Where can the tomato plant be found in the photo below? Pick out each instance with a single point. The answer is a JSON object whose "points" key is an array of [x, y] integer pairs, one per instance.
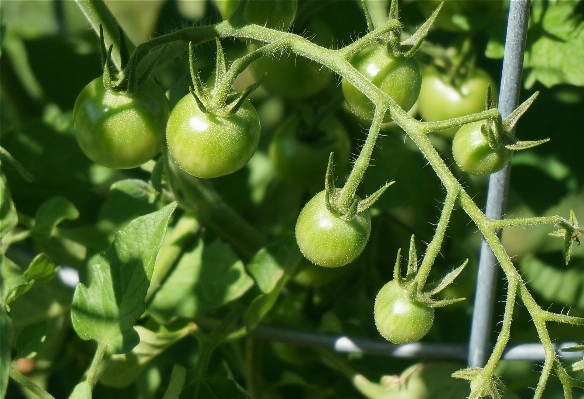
{"points": [[328, 240], [118, 130], [399, 319], [442, 99], [473, 153], [296, 77], [300, 156], [276, 14], [398, 77], [207, 145]]}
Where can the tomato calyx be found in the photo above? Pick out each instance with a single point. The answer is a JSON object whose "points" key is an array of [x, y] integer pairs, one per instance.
{"points": [[413, 282], [221, 100], [125, 79], [347, 208]]}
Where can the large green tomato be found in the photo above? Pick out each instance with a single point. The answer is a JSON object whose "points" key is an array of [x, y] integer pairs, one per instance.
{"points": [[440, 99], [292, 76], [302, 159], [276, 14], [474, 155], [207, 145], [327, 240], [117, 130], [398, 77], [399, 319]]}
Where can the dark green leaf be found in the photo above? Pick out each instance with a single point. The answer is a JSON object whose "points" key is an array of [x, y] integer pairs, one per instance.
{"points": [[8, 216], [220, 387], [30, 340], [136, 188], [123, 369], [107, 309], [204, 279], [555, 53], [50, 214], [41, 269], [272, 267], [5, 332]]}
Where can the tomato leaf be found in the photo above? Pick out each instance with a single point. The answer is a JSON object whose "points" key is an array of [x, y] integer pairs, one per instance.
{"points": [[107, 309], [219, 386], [123, 369], [136, 188], [204, 279], [41, 269], [50, 214], [554, 56], [8, 216], [5, 332], [30, 339], [271, 268]]}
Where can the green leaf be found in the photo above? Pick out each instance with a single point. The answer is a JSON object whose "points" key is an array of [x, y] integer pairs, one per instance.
{"points": [[107, 309], [136, 188], [271, 267], [8, 216], [123, 369], [556, 49], [50, 214], [204, 279], [177, 382], [41, 269], [546, 275], [30, 339], [5, 332]]}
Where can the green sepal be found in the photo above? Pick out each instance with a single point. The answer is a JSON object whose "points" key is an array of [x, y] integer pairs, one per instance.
{"points": [[235, 106], [569, 236], [510, 121], [523, 145], [448, 279], [108, 73], [198, 88], [369, 201], [370, 26], [329, 185], [124, 52], [412, 258], [415, 41], [397, 269], [221, 68], [198, 101]]}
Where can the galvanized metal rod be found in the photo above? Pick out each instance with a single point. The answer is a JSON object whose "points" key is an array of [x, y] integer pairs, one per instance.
{"points": [[479, 346]]}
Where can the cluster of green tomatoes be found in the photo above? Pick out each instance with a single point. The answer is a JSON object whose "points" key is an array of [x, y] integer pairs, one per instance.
{"points": [[120, 130]]}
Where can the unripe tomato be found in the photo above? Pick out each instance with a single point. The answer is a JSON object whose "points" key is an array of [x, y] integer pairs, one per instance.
{"points": [[302, 159], [474, 155], [276, 14], [327, 240], [118, 130], [398, 77], [207, 145], [399, 319], [440, 99]]}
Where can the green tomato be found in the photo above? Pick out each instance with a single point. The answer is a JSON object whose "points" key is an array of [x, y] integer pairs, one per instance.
{"points": [[208, 145], [327, 240], [399, 319], [117, 130], [474, 155], [398, 77], [292, 76], [460, 15], [275, 14], [440, 99], [301, 159]]}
